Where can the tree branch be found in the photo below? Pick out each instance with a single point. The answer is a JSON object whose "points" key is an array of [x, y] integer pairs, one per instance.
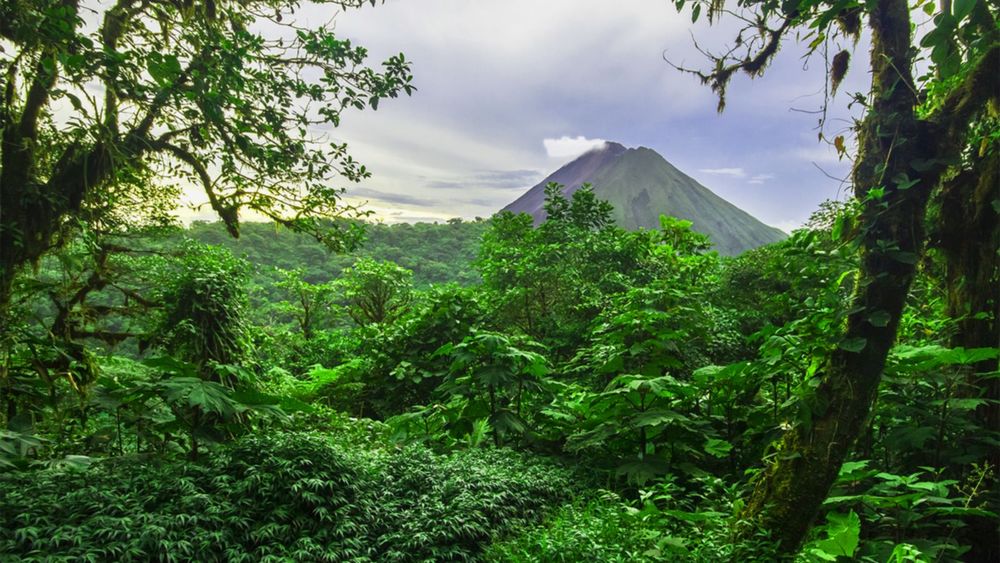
{"points": [[19, 141], [981, 85], [38, 94], [114, 24], [754, 66], [228, 213]]}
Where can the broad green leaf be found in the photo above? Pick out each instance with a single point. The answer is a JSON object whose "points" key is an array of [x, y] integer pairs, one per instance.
{"points": [[853, 344], [962, 8], [879, 319], [718, 448], [842, 534]]}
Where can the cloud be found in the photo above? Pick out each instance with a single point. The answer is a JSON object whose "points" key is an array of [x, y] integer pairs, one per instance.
{"points": [[565, 146], [491, 83], [731, 172], [402, 199], [490, 179], [760, 178], [508, 178]]}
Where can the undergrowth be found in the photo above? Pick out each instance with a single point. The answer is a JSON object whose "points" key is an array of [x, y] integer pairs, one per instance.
{"points": [[296, 496]]}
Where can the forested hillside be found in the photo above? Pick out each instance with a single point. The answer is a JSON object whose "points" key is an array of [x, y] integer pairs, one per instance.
{"points": [[318, 388], [435, 253]]}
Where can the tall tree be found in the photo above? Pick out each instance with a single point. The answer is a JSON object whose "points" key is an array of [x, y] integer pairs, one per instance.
{"points": [[309, 300], [911, 136], [224, 94], [376, 291]]}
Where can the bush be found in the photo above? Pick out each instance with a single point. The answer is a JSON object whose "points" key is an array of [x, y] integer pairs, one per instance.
{"points": [[597, 530], [286, 496]]}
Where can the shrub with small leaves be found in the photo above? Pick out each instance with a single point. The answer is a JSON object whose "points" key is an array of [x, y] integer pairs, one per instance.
{"points": [[286, 496]]}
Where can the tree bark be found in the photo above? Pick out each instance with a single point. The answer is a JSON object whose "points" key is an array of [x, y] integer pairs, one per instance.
{"points": [[894, 146], [970, 238]]}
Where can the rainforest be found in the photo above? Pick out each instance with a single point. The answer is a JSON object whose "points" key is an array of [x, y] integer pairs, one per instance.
{"points": [[299, 379]]}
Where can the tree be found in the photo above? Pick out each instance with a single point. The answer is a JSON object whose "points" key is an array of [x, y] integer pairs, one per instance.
{"points": [[494, 372], [912, 135], [204, 303], [309, 300], [551, 281], [968, 211], [98, 97], [376, 291]]}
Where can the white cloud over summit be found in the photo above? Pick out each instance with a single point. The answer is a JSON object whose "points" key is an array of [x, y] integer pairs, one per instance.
{"points": [[566, 146]]}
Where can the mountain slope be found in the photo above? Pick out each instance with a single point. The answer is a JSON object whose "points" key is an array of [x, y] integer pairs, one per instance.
{"points": [[642, 185]]}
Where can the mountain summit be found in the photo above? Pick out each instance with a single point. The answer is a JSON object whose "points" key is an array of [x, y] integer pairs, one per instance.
{"points": [[642, 185]]}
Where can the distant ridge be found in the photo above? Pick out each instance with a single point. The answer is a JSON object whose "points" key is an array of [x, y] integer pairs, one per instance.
{"points": [[642, 185]]}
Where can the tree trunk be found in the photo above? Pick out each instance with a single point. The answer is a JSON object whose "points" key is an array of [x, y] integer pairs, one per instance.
{"points": [[969, 237], [893, 147], [32, 212]]}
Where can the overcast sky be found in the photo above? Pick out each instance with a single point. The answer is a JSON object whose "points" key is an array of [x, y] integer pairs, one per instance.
{"points": [[510, 90]]}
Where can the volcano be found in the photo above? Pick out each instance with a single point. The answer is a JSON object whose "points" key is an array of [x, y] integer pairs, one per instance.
{"points": [[642, 185]]}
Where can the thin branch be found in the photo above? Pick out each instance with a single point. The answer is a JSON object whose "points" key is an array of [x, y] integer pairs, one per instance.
{"points": [[114, 24], [752, 64], [226, 212]]}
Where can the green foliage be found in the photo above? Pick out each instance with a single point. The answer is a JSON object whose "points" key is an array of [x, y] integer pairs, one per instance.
{"points": [[489, 382], [15, 447], [376, 292], [842, 532], [402, 367], [284, 496], [594, 530], [662, 371], [226, 107], [204, 300], [923, 507], [435, 253], [309, 304], [666, 522], [179, 399], [550, 282], [639, 422]]}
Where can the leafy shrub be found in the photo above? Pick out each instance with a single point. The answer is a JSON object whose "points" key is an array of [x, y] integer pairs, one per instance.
{"points": [[285, 496], [922, 508], [666, 523], [595, 530], [204, 307], [449, 508]]}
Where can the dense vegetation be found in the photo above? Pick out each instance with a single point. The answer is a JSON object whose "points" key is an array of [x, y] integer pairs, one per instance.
{"points": [[436, 254], [280, 496], [662, 371], [484, 390]]}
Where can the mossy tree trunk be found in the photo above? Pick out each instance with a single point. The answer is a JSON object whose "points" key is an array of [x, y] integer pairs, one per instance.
{"points": [[970, 238], [895, 147]]}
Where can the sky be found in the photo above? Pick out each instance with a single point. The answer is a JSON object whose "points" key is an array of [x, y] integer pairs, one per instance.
{"points": [[508, 91]]}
